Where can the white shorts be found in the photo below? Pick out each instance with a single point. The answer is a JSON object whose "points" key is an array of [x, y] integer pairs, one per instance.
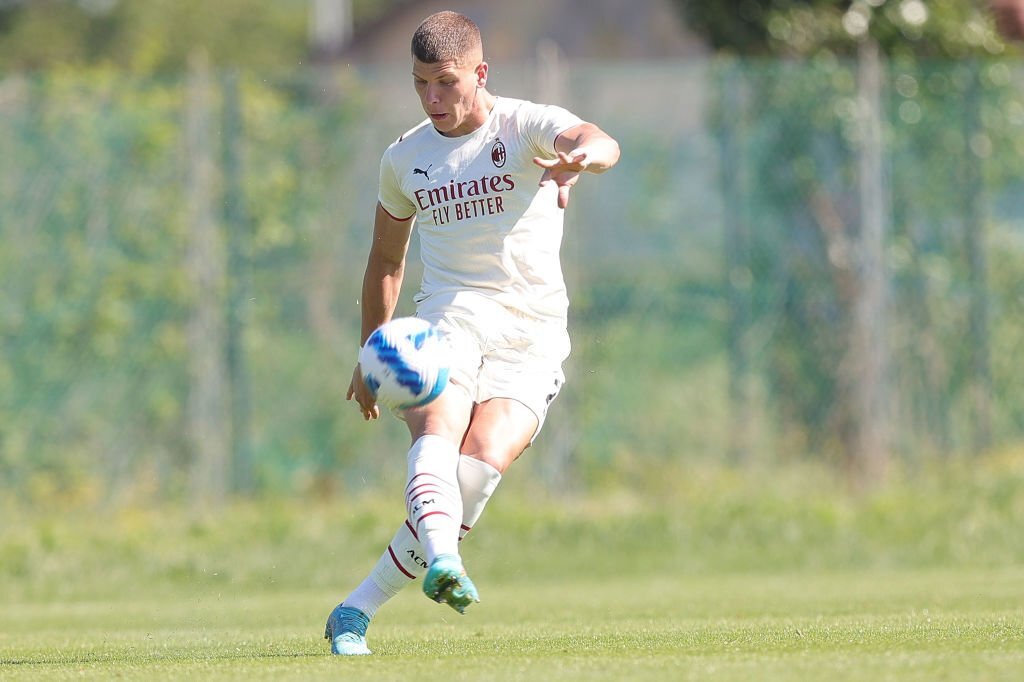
{"points": [[497, 352]]}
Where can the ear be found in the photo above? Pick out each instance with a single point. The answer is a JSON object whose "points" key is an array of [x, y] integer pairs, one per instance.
{"points": [[481, 75]]}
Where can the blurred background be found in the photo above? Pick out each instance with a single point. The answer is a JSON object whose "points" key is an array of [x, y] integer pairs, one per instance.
{"points": [[810, 255]]}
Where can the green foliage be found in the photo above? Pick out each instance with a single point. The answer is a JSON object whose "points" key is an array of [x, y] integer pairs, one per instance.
{"points": [[147, 36], [803, 207], [909, 28], [683, 519], [96, 299], [156, 35], [84, 165], [943, 124]]}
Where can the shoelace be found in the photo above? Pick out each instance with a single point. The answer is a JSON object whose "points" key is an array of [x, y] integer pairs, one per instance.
{"points": [[353, 620]]}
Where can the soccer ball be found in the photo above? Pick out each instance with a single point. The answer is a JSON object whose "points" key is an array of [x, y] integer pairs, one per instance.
{"points": [[404, 363]]}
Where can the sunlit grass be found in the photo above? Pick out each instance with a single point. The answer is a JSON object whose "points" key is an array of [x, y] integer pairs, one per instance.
{"points": [[917, 625], [720, 575]]}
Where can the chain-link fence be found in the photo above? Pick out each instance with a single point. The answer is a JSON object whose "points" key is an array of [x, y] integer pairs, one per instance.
{"points": [[792, 260]]}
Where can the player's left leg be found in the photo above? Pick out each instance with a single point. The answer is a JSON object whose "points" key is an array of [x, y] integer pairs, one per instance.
{"points": [[346, 630]]}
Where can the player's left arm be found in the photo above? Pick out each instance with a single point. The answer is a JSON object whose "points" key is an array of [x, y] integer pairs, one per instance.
{"points": [[594, 149], [582, 148]]}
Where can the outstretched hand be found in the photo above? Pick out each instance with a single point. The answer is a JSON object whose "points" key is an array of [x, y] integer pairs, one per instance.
{"points": [[367, 402], [564, 171]]}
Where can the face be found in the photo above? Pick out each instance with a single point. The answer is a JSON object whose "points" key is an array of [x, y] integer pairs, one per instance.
{"points": [[452, 94]]}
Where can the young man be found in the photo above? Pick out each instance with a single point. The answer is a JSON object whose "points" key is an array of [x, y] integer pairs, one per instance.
{"points": [[485, 179]]}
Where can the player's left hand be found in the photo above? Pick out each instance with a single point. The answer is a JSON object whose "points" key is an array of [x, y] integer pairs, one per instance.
{"points": [[564, 171]]}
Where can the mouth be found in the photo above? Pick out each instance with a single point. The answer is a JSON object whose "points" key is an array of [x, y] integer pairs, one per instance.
{"points": [[438, 117]]}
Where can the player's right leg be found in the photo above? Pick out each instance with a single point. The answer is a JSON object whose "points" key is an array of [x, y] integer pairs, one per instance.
{"points": [[434, 507], [446, 582]]}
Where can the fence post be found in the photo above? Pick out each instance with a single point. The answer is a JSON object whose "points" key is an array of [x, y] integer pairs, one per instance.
{"points": [[205, 268], [868, 337], [561, 437], [980, 382], [239, 284], [736, 247]]}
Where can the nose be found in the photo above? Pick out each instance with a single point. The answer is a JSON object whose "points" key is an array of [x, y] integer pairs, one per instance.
{"points": [[432, 94]]}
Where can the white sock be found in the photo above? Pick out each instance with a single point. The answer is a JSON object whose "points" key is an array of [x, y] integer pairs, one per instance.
{"points": [[432, 499], [400, 564], [477, 482], [404, 560]]}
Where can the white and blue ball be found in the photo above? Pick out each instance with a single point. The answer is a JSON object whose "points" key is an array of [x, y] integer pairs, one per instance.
{"points": [[404, 363]]}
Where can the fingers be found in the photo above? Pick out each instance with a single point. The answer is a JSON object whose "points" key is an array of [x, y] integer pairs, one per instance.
{"points": [[364, 398], [563, 182], [369, 409], [368, 404], [579, 159], [563, 170], [575, 162]]}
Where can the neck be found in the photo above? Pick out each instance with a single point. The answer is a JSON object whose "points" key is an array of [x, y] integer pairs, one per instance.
{"points": [[483, 104], [480, 109]]}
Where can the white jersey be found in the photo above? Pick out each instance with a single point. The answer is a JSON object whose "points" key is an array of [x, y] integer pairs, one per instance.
{"points": [[485, 225]]}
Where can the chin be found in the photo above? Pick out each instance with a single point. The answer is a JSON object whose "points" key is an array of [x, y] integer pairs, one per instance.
{"points": [[445, 127]]}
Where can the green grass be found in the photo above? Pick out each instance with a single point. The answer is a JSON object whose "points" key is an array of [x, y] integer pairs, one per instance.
{"points": [[719, 576], [907, 625]]}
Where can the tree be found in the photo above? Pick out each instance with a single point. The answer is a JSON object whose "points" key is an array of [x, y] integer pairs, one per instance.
{"points": [[158, 35], [806, 28], [826, 175]]}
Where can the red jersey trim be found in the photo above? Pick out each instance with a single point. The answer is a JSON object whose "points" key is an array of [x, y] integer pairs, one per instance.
{"points": [[401, 220]]}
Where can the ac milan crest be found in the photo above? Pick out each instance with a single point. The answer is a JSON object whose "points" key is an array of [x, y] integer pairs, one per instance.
{"points": [[498, 154]]}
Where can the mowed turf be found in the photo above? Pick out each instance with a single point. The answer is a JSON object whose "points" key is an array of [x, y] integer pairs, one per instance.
{"points": [[722, 575], [867, 625]]}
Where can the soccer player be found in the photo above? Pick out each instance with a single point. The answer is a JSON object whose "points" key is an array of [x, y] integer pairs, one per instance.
{"points": [[485, 180]]}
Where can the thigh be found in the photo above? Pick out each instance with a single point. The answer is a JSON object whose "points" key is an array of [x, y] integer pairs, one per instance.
{"points": [[447, 416], [501, 428], [463, 335], [526, 373]]}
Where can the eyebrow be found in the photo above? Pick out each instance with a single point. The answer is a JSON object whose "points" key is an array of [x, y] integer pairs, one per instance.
{"points": [[440, 76]]}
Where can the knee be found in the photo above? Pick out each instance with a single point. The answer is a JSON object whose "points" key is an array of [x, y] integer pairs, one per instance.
{"points": [[499, 461], [499, 458]]}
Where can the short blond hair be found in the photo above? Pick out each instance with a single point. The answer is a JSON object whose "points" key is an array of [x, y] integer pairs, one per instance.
{"points": [[446, 36]]}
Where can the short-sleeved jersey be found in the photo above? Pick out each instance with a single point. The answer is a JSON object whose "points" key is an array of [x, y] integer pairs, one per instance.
{"points": [[485, 225]]}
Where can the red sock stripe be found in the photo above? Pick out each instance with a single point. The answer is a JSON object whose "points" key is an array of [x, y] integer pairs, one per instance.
{"points": [[430, 488], [425, 473], [399, 563], [466, 528], [412, 530], [420, 520], [409, 503]]}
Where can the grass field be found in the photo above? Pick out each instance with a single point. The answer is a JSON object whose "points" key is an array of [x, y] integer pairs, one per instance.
{"points": [[732, 579], [919, 625]]}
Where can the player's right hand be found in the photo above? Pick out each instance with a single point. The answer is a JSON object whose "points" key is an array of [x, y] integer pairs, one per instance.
{"points": [[364, 397]]}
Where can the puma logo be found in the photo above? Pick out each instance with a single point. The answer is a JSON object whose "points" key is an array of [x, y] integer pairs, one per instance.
{"points": [[423, 171]]}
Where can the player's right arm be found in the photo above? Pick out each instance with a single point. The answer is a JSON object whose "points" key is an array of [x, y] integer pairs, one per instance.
{"points": [[382, 285]]}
